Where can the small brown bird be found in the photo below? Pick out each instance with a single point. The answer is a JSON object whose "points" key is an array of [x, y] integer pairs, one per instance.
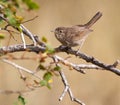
{"points": [[75, 35]]}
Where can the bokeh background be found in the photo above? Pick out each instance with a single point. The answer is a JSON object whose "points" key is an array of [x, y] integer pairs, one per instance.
{"points": [[95, 87]]}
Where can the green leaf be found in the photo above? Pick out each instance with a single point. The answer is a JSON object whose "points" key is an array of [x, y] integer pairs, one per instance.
{"points": [[2, 36], [41, 67], [46, 80], [31, 5], [50, 50], [44, 39], [11, 18], [4, 0], [57, 68], [47, 76], [21, 101], [1, 21], [43, 83], [48, 86]]}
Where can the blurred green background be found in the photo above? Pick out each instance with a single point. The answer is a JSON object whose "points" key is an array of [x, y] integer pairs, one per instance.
{"points": [[95, 87]]}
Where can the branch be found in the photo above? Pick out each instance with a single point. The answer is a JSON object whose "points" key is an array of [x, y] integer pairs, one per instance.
{"points": [[67, 87], [78, 67], [27, 32], [21, 68], [20, 47], [23, 38], [37, 49], [87, 58]]}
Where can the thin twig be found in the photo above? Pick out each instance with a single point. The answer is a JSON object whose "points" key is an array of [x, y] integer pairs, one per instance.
{"points": [[77, 67], [69, 64], [23, 38], [29, 20], [67, 87], [15, 92], [29, 33], [21, 68], [22, 75]]}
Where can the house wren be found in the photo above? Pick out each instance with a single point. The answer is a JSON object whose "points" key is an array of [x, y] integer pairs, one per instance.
{"points": [[75, 35]]}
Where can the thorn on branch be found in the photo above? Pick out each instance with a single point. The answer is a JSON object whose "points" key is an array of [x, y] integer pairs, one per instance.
{"points": [[115, 64]]}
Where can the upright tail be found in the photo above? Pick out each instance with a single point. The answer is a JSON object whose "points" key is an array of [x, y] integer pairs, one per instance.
{"points": [[94, 19]]}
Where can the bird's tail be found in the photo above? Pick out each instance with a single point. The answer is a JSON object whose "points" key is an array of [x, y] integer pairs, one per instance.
{"points": [[94, 19]]}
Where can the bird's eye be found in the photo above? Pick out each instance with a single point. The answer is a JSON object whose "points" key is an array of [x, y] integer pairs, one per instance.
{"points": [[60, 31]]}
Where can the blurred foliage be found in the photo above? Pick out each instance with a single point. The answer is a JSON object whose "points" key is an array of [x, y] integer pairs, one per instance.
{"points": [[41, 67], [57, 68], [31, 4], [44, 39], [47, 79], [20, 101], [2, 36], [49, 49], [10, 8]]}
